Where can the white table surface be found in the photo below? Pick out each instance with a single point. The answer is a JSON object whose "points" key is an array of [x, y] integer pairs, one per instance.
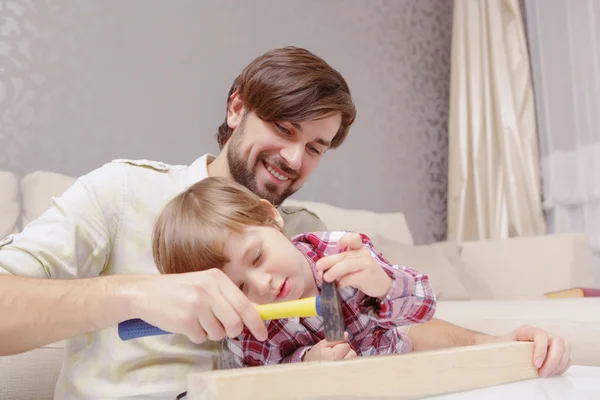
{"points": [[578, 383]]}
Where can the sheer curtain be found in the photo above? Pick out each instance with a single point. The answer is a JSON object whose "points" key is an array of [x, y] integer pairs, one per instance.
{"points": [[494, 188], [564, 38]]}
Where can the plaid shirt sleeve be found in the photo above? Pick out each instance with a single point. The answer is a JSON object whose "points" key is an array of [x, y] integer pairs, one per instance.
{"points": [[287, 342], [410, 300]]}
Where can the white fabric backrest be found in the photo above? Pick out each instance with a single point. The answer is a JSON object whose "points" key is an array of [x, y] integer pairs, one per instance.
{"points": [[38, 189], [392, 226], [9, 204]]}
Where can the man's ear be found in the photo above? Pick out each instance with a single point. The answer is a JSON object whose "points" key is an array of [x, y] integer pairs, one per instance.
{"points": [[235, 110], [274, 213]]}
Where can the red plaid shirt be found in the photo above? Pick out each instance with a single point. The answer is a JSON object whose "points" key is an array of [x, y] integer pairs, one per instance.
{"points": [[372, 326]]}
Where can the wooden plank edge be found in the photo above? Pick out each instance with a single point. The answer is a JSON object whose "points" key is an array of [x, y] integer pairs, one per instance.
{"points": [[398, 376]]}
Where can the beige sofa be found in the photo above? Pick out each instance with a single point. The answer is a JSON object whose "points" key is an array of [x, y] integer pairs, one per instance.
{"points": [[490, 286]]}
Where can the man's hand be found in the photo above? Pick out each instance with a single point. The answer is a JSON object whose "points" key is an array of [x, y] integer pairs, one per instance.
{"points": [[201, 305], [325, 351], [551, 354], [355, 267]]}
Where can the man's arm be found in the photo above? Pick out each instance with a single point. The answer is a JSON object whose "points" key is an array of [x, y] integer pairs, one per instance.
{"points": [[438, 334], [551, 354], [43, 298], [36, 312], [50, 287]]}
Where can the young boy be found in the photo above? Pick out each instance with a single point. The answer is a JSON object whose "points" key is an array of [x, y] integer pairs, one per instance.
{"points": [[218, 223]]}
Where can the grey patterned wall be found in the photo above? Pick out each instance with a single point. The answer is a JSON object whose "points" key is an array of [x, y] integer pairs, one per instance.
{"points": [[83, 82]]}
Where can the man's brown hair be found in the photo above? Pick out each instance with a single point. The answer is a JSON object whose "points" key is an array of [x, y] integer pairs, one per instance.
{"points": [[191, 230], [292, 84]]}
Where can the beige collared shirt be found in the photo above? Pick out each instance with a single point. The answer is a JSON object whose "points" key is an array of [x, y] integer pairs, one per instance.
{"points": [[102, 225]]}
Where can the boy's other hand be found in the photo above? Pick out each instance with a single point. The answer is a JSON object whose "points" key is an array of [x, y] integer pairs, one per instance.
{"points": [[326, 351], [201, 305], [355, 267]]}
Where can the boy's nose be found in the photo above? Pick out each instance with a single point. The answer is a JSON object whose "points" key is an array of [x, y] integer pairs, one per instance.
{"points": [[292, 154], [262, 284]]}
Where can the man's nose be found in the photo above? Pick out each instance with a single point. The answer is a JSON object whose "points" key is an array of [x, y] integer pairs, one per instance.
{"points": [[292, 154]]}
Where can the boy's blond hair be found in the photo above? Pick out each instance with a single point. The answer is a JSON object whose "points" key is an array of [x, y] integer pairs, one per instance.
{"points": [[191, 230]]}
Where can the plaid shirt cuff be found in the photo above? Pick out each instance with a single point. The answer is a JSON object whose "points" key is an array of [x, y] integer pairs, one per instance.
{"points": [[375, 308], [296, 356]]}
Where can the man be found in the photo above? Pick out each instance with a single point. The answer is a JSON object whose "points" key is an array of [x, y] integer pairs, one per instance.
{"points": [[284, 111]]}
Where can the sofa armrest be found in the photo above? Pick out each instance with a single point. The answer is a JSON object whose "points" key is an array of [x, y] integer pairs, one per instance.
{"points": [[526, 267]]}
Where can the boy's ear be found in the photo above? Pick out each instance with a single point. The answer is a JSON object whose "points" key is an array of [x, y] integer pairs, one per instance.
{"points": [[274, 213]]}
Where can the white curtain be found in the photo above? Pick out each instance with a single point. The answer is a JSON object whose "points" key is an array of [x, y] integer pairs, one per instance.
{"points": [[494, 188], [564, 37]]}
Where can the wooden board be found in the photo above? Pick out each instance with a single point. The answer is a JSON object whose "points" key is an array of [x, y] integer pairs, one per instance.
{"points": [[398, 376]]}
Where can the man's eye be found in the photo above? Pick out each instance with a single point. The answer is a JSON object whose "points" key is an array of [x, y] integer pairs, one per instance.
{"points": [[282, 129], [242, 286], [313, 150]]}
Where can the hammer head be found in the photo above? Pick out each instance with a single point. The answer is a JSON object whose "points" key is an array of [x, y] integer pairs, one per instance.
{"points": [[331, 310]]}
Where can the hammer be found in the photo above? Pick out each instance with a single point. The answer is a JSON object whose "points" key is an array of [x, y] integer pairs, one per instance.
{"points": [[327, 305]]}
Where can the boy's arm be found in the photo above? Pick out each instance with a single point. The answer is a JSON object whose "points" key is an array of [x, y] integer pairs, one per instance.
{"points": [[411, 299], [296, 356], [382, 340], [285, 344], [249, 352]]}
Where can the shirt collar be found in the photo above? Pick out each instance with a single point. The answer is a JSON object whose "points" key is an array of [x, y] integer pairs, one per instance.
{"points": [[198, 170]]}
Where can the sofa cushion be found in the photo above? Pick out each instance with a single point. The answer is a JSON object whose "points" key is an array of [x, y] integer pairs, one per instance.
{"points": [[528, 267], [38, 189], [9, 204], [468, 274], [429, 260], [32, 374], [391, 226]]}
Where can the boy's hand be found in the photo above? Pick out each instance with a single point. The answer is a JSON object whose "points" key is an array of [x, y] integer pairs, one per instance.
{"points": [[325, 351], [355, 267]]}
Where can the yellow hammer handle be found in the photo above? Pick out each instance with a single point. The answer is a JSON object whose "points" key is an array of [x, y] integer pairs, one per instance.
{"points": [[306, 307]]}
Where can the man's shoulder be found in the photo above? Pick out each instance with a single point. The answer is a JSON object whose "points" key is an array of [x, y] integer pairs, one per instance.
{"points": [[285, 209], [297, 220], [144, 164], [146, 181], [119, 172]]}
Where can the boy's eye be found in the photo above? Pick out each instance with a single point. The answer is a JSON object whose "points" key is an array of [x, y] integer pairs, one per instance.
{"points": [[257, 257]]}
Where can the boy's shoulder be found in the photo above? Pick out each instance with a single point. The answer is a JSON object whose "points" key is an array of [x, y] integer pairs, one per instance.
{"points": [[322, 243]]}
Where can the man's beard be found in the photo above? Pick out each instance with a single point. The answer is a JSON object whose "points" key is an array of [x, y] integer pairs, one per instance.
{"points": [[245, 175]]}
